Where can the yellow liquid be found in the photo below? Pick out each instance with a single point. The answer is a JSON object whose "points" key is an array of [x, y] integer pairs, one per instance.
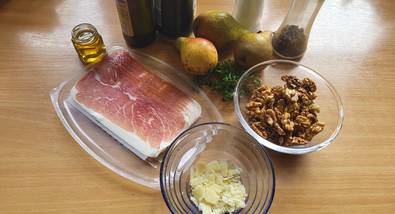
{"points": [[89, 46]]}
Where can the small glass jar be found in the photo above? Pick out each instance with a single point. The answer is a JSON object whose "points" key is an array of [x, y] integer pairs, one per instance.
{"points": [[291, 38], [88, 43]]}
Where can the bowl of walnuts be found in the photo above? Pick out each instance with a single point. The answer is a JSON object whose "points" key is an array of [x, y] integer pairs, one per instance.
{"points": [[288, 107]]}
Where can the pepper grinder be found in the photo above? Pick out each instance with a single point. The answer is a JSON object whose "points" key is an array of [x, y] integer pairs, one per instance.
{"points": [[291, 38]]}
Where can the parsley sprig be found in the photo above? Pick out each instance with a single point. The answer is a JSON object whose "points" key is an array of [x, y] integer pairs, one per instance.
{"points": [[222, 79]]}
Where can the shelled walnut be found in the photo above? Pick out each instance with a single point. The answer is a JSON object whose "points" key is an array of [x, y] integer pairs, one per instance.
{"points": [[286, 115]]}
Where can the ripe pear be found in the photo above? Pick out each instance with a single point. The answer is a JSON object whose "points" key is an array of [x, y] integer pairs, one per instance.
{"points": [[253, 48], [198, 55], [219, 27]]}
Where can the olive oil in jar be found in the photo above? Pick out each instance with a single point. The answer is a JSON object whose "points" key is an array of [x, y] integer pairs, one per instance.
{"points": [[88, 43]]}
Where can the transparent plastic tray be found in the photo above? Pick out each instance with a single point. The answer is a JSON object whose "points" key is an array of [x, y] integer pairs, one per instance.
{"points": [[105, 149]]}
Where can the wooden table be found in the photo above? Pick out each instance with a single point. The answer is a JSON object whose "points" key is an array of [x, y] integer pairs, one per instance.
{"points": [[42, 169]]}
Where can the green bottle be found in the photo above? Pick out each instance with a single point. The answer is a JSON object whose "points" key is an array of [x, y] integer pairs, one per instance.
{"points": [[136, 17], [174, 17]]}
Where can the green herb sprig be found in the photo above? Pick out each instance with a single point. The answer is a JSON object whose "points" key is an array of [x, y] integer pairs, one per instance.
{"points": [[222, 79]]}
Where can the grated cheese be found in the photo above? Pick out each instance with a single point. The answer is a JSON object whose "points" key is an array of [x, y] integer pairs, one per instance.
{"points": [[217, 188]]}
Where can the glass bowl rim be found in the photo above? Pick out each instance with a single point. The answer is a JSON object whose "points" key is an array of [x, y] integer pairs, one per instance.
{"points": [[269, 162], [273, 146]]}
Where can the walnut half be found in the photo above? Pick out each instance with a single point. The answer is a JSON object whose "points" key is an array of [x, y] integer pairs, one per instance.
{"points": [[286, 115]]}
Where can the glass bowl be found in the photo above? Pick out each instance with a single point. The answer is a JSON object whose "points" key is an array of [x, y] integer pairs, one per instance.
{"points": [[269, 73], [217, 141]]}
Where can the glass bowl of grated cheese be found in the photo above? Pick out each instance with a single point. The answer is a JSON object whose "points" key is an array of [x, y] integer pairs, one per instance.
{"points": [[217, 168]]}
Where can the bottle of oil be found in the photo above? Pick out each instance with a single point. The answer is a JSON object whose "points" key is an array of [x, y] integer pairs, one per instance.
{"points": [[88, 43], [174, 17], [136, 17]]}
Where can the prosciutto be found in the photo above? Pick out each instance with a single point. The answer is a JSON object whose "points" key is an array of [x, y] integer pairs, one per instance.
{"points": [[134, 105]]}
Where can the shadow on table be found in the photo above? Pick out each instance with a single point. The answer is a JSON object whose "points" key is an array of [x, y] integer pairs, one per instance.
{"points": [[3, 3], [290, 163]]}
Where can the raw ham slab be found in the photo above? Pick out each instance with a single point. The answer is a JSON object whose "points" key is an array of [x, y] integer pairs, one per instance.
{"points": [[133, 104]]}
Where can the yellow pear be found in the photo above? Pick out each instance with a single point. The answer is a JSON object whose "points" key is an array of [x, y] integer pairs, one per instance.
{"points": [[198, 55]]}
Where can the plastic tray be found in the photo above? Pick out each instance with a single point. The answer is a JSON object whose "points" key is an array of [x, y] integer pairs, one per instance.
{"points": [[105, 149]]}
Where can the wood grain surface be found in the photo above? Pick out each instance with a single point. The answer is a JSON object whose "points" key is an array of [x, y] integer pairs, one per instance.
{"points": [[42, 169]]}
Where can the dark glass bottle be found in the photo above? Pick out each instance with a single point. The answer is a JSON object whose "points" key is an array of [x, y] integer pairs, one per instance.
{"points": [[136, 17], [174, 17]]}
